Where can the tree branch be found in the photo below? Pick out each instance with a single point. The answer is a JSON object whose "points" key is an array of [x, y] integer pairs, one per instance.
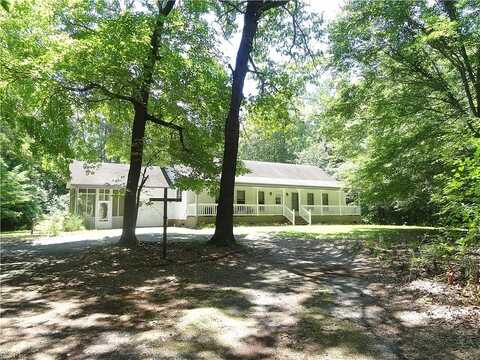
{"points": [[233, 5], [267, 5], [298, 28], [169, 125], [101, 88]]}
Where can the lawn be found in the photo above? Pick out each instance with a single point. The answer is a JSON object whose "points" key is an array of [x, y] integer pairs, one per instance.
{"points": [[314, 292]]}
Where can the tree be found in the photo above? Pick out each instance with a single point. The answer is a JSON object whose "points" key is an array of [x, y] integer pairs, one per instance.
{"points": [[112, 61], [20, 200], [139, 99], [253, 12], [430, 48], [405, 102]]}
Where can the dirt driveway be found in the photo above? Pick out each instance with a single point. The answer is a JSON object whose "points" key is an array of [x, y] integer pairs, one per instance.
{"points": [[273, 297]]}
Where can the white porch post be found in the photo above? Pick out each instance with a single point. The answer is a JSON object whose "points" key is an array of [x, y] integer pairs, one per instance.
{"points": [[75, 190], [97, 207], [340, 201], [299, 199], [257, 200], [321, 202], [283, 197], [196, 204]]}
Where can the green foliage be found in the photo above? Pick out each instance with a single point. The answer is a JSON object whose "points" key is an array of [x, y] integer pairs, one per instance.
{"points": [[283, 128], [55, 222], [32, 109], [72, 222], [403, 108], [5, 4], [459, 198], [51, 50], [51, 225], [273, 130], [433, 256], [284, 59], [110, 45], [20, 199]]}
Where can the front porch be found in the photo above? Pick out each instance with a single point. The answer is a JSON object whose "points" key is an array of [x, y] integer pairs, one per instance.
{"points": [[293, 204]]}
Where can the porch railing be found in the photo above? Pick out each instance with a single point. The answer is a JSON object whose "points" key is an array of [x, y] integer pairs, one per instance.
{"points": [[270, 209], [333, 210], [289, 214], [305, 214], [306, 211], [238, 209]]}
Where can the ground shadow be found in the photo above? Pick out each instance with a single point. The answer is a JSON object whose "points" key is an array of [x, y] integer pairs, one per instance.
{"points": [[278, 296]]}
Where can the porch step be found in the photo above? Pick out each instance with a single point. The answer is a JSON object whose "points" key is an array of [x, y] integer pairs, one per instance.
{"points": [[300, 221]]}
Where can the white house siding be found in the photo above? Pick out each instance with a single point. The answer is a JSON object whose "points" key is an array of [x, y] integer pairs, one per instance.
{"points": [[335, 196], [149, 213]]}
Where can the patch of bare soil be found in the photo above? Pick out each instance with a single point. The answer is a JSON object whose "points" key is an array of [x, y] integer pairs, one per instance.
{"points": [[271, 298]]}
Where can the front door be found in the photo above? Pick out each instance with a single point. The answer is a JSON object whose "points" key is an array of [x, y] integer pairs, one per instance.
{"points": [[104, 215], [294, 201]]}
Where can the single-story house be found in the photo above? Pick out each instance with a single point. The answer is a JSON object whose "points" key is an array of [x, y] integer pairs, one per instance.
{"points": [[267, 193]]}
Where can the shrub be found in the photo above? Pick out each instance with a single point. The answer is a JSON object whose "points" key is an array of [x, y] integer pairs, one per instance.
{"points": [[53, 224], [20, 199], [72, 222], [433, 257]]}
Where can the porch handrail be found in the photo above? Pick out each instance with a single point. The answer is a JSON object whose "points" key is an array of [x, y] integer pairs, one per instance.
{"points": [[305, 211], [305, 214], [289, 214], [269, 209], [210, 209], [334, 209]]}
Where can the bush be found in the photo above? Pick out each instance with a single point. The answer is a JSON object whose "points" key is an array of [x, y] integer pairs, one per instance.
{"points": [[72, 222], [55, 223], [51, 224], [433, 257], [20, 199]]}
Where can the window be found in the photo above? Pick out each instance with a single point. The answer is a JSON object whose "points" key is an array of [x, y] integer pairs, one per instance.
{"points": [[118, 201], [261, 198], [240, 197], [103, 194], [278, 199], [324, 199], [86, 202], [310, 199], [103, 211]]}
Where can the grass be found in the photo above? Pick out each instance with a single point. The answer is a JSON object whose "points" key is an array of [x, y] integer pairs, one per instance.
{"points": [[15, 234], [18, 236]]}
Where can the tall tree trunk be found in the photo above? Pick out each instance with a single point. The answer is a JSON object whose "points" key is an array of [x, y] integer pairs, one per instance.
{"points": [[130, 212], [128, 237], [224, 221]]}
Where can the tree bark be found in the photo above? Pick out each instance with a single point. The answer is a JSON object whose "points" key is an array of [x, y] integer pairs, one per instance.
{"points": [[141, 116], [128, 237], [223, 235]]}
